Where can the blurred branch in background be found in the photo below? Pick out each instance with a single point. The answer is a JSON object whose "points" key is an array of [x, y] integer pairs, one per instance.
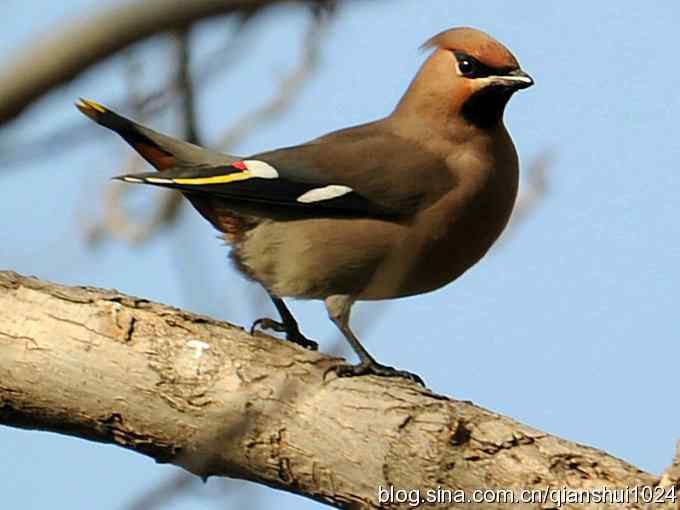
{"points": [[146, 105], [163, 492], [531, 194], [289, 86], [230, 492], [535, 187], [115, 220], [185, 86], [206, 69], [59, 58]]}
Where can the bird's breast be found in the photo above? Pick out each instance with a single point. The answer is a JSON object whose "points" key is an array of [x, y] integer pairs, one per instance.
{"points": [[453, 234]]}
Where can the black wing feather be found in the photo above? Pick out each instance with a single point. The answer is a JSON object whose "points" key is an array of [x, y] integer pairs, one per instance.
{"points": [[279, 192]]}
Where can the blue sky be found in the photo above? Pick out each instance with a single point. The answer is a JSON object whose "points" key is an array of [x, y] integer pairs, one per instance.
{"points": [[570, 326]]}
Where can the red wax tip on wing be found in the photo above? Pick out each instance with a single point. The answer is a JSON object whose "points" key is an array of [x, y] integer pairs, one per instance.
{"points": [[240, 165]]}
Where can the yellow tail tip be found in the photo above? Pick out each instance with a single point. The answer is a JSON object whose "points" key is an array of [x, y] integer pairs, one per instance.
{"points": [[90, 108]]}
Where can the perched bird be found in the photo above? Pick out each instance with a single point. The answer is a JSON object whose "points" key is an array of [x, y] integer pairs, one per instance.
{"points": [[395, 207]]}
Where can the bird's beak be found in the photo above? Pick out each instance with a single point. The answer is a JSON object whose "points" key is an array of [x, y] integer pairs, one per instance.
{"points": [[516, 79]]}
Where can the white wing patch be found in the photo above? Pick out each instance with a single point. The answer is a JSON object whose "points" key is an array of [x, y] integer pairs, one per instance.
{"points": [[261, 169], [325, 193]]}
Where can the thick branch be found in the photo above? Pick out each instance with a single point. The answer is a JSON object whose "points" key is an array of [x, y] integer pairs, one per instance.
{"points": [[59, 58], [205, 395]]}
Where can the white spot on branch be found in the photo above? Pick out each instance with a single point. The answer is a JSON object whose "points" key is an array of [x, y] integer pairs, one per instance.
{"points": [[199, 346]]}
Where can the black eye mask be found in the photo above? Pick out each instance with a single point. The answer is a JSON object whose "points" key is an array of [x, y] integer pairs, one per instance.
{"points": [[470, 67]]}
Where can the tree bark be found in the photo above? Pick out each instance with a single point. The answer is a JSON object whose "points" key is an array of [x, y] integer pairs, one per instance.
{"points": [[205, 395]]}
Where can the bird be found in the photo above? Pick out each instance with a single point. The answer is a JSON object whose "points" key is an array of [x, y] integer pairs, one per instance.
{"points": [[395, 207]]}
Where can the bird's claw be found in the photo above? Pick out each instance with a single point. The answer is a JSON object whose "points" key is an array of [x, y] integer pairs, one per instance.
{"points": [[292, 336], [346, 370], [267, 324], [300, 339]]}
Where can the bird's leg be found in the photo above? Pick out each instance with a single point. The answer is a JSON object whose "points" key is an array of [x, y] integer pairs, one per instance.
{"points": [[338, 308], [288, 325], [291, 326]]}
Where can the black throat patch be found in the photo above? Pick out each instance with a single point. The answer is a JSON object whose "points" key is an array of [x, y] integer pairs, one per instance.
{"points": [[485, 108]]}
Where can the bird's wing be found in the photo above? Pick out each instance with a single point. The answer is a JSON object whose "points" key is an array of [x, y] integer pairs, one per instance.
{"points": [[348, 174], [260, 185]]}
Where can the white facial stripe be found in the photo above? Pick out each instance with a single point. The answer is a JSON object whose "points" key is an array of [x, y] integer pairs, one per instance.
{"points": [[325, 193], [261, 169]]}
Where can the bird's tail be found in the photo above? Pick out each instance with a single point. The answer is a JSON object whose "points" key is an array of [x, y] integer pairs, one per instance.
{"points": [[162, 151]]}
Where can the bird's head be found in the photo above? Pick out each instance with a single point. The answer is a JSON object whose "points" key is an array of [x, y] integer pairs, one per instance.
{"points": [[469, 74]]}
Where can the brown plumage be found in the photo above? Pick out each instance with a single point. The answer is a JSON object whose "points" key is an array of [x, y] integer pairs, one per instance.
{"points": [[476, 44], [392, 208]]}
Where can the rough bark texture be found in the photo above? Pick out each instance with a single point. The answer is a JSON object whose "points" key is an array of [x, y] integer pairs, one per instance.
{"points": [[207, 396]]}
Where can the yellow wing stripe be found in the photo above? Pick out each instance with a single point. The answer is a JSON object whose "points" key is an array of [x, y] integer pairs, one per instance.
{"points": [[89, 104], [218, 179]]}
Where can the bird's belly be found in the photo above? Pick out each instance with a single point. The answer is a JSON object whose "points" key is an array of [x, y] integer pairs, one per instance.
{"points": [[317, 258]]}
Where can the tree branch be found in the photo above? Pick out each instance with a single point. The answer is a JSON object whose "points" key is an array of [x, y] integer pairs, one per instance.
{"points": [[59, 58], [204, 395]]}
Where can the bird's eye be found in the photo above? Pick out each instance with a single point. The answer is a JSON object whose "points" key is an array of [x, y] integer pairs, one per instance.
{"points": [[466, 66]]}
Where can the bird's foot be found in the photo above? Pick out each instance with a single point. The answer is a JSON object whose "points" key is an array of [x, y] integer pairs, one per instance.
{"points": [[298, 338], [268, 325], [374, 368], [291, 335]]}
